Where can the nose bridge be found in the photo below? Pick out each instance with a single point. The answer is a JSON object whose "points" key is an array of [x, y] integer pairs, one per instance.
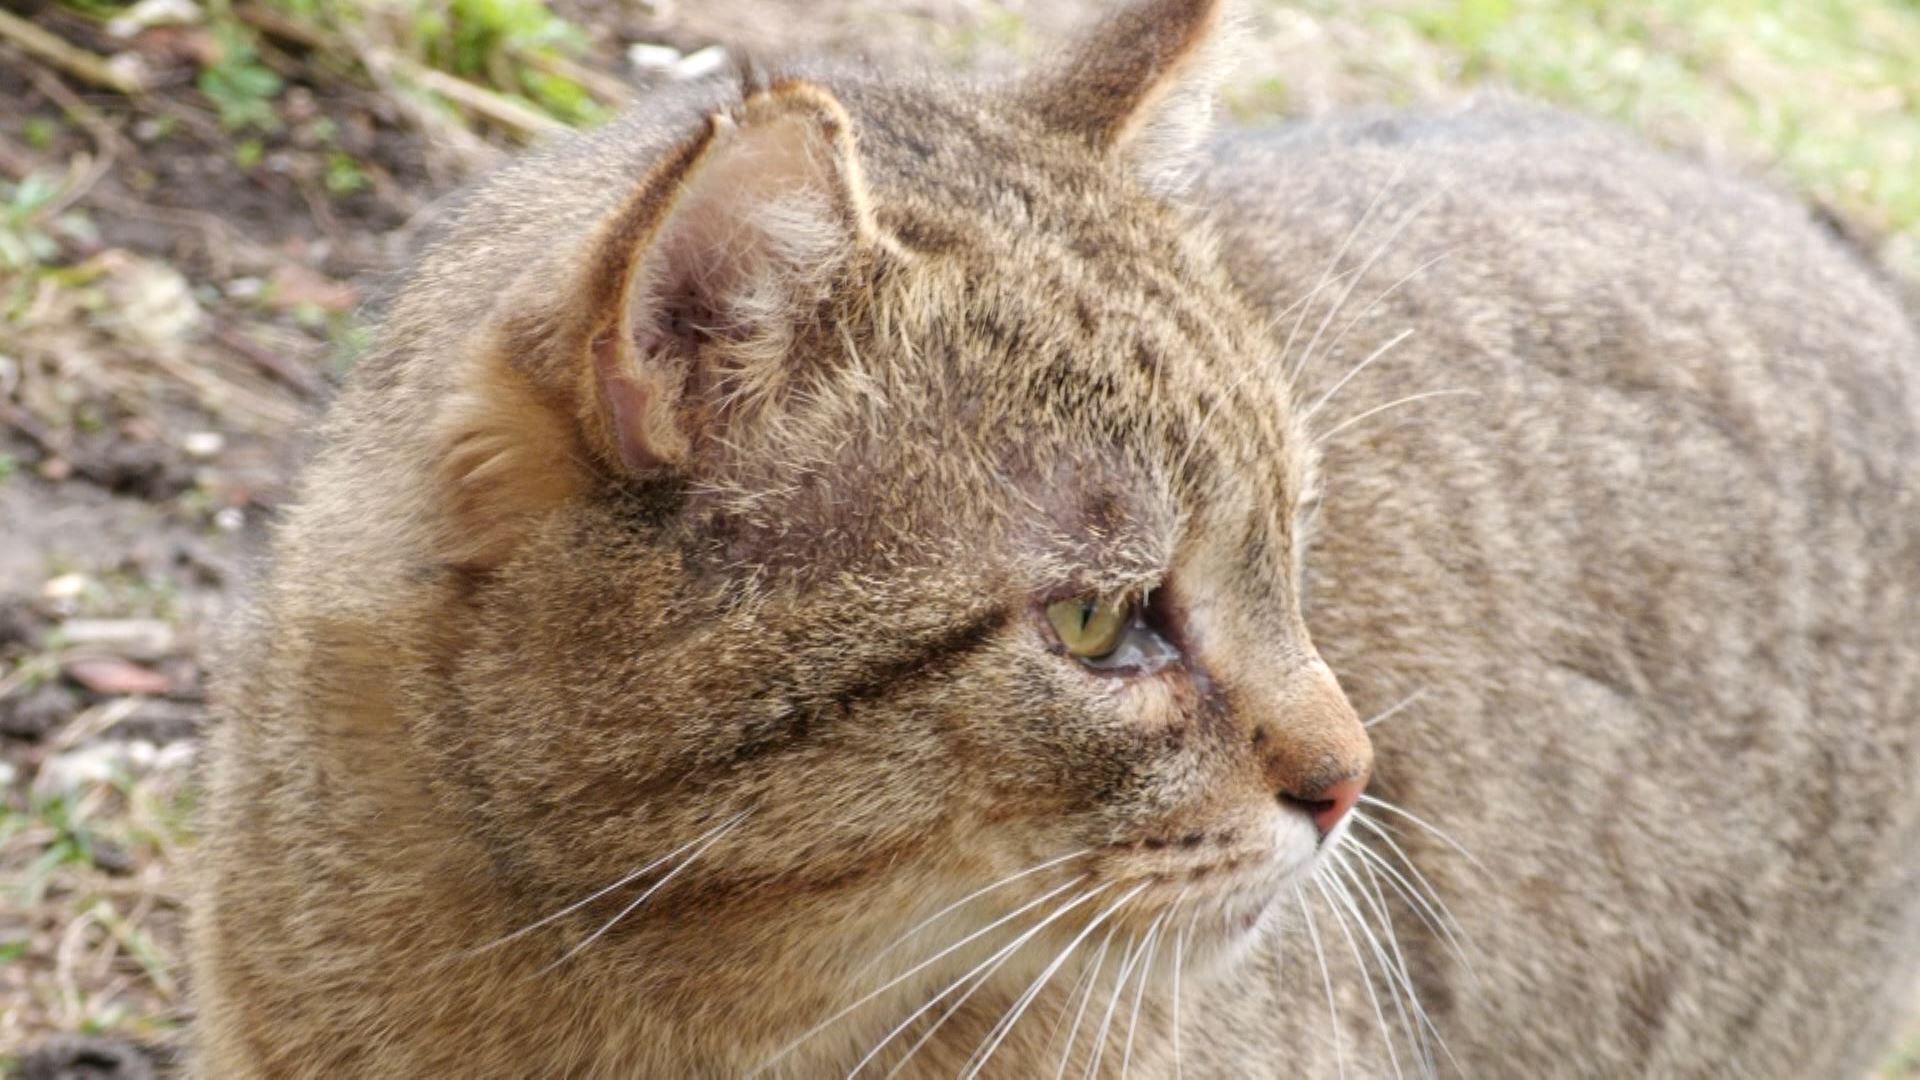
{"points": [[1309, 743]]}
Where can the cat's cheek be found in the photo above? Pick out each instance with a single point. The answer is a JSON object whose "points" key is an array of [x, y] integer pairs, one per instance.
{"points": [[1153, 703]]}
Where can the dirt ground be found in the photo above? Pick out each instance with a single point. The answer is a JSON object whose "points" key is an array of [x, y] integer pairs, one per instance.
{"points": [[179, 296]]}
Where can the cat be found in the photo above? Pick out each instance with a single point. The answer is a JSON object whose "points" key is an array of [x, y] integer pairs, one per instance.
{"points": [[838, 573]]}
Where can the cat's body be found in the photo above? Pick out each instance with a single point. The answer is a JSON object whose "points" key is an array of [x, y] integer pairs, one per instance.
{"points": [[1654, 580], [1638, 575]]}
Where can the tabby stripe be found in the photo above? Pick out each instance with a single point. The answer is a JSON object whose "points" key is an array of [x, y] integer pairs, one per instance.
{"points": [[933, 657]]}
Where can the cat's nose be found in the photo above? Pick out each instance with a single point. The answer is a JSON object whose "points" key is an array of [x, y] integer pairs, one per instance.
{"points": [[1312, 749], [1327, 805]]}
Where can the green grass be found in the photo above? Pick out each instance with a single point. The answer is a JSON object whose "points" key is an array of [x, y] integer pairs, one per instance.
{"points": [[1827, 91]]}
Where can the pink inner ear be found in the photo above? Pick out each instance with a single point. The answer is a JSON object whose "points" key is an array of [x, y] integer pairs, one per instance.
{"points": [[639, 411]]}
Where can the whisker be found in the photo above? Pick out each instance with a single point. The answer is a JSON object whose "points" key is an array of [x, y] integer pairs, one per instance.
{"points": [[1393, 963], [1179, 947], [1366, 978], [629, 879], [643, 897], [1080, 1012], [916, 969], [1333, 345], [1357, 369], [1006, 953], [1140, 991], [1422, 822], [1005, 1027], [1343, 425], [1127, 961], [1399, 227], [1393, 180], [1326, 980], [962, 902], [1378, 904], [1272, 322], [1395, 708], [1426, 898]]}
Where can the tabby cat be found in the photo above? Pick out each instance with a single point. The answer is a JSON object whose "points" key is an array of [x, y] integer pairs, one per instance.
{"points": [[842, 573]]}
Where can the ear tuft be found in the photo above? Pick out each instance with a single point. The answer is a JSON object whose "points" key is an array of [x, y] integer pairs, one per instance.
{"points": [[1143, 85]]}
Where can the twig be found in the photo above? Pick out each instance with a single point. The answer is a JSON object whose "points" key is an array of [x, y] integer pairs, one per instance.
{"points": [[496, 108], [23, 422], [504, 111], [104, 136], [71, 59], [610, 90], [269, 362]]}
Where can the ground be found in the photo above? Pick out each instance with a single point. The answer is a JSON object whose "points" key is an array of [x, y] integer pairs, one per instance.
{"points": [[202, 201]]}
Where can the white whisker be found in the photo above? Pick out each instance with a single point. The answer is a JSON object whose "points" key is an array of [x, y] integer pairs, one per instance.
{"points": [[1127, 961], [1366, 978], [1006, 953], [1399, 227], [1005, 1026], [1378, 904], [1357, 369], [1426, 899], [962, 902], [715, 838], [1140, 992], [1384, 293], [1422, 822], [1395, 708], [1179, 947], [1343, 425], [1080, 1012], [1339, 254], [629, 879], [916, 969], [1326, 980]]}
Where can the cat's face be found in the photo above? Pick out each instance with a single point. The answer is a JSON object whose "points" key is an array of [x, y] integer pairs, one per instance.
{"points": [[961, 553]]}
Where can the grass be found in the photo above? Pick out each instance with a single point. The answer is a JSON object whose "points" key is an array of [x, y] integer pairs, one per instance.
{"points": [[1827, 91]]}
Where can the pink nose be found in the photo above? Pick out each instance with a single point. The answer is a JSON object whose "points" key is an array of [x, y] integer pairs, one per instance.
{"points": [[1327, 805]]}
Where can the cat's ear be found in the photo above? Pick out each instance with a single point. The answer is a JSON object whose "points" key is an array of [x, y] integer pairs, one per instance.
{"points": [[673, 327], [1143, 84], [707, 271]]}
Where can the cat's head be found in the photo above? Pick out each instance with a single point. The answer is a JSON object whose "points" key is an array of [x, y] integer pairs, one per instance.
{"points": [[884, 495]]}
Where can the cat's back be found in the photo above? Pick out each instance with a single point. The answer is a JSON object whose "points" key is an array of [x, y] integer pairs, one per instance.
{"points": [[1620, 458]]}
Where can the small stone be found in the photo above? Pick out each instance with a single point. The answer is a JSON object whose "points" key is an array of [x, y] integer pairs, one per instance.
{"points": [[93, 763], [34, 713], [19, 623], [111, 858], [88, 1057], [646, 56], [700, 64], [161, 722], [203, 444], [64, 587]]}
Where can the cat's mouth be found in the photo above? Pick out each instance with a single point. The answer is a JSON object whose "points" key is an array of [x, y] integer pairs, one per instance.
{"points": [[1217, 887]]}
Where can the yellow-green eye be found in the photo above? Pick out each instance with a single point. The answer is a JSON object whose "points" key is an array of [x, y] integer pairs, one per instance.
{"points": [[1090, 627]]}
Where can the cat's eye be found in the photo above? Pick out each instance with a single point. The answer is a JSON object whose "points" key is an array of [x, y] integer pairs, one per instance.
{"points": [[1091, 627]]}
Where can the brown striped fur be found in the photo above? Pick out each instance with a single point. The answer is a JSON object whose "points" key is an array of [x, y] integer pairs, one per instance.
{"points": [[707, 482]]}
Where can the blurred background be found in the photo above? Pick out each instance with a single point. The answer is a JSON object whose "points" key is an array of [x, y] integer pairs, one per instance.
{"points": [[201, 202]]}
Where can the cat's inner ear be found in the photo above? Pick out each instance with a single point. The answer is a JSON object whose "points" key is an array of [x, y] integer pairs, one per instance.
{"points": [[1143, 85], [726, 250]]}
